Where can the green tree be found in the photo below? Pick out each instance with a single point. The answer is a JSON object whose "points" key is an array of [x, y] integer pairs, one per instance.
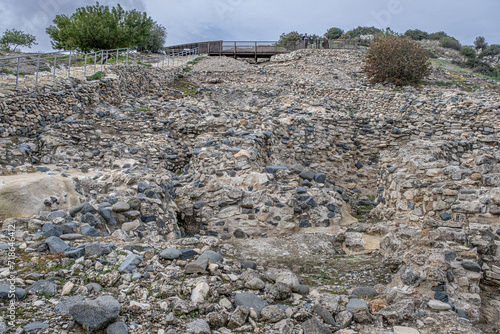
{"points": [[480, 43], [334, 33], [156, 38], [396, 60], [101, 27], [13, 38], [290, 39], [361, 31], [416, 34]]}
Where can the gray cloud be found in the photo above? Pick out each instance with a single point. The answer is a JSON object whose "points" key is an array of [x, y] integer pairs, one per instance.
{"points": [[198, 20]]}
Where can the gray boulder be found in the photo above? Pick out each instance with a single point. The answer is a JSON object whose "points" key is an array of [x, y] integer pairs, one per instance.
{"points": [[19, 293], [199, 326], [56, 245], [95, 314], [213, 257], [356, 303], [44, 287], [250, 300]]}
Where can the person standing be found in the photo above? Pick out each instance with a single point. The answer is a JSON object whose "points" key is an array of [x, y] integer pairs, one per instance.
{"points": [[305, 38], [326, 43]]}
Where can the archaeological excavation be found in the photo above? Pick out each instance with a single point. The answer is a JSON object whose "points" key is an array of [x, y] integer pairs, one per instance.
{"points": [[285, 196]]}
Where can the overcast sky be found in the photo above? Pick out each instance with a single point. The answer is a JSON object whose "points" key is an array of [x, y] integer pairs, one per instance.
{"points": [[265, 20]]}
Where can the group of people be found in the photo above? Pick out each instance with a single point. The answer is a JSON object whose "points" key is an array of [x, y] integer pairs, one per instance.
{"points": [[316, 43]]}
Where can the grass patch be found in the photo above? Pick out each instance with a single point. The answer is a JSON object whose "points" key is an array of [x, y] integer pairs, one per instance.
{"points": [[196, 60], [184, 86], [6, 71], [96, 76], [187, 69]]}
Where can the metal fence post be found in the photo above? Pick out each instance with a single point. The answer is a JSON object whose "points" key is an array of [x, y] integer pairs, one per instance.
{"points": [[95, 61], [117, 57], [55, 62], [37, 69], [17, 76], [69, 64], [134, 59], [85, 67], [126, 58]]}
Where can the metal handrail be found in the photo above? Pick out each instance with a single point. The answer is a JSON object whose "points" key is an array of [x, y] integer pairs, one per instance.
{"points": [[176, 58]]}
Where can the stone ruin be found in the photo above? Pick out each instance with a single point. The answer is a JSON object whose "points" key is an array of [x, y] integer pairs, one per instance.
{"points": [[320, 203]]}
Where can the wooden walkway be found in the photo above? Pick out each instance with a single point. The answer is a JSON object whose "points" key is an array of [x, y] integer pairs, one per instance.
{"points": [[256, 49]]}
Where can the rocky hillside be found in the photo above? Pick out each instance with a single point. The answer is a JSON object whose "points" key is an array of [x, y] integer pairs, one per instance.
{"points": [[282, 197]]}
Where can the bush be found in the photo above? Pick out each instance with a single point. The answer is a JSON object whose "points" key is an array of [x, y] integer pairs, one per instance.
{"points": [[468, 52], [290, 39], [396, 60], [96, 76], [416, 34], [480, 43], [334, 33], [491, 50], [362, 31], [436, 36], [450, 43], [480, 67]]}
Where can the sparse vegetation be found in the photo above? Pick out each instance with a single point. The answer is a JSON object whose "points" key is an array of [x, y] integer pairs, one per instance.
{"points": [[468, 52], [416, 34], [96, 76], [396, 60], [334, 33], [450, 43]]}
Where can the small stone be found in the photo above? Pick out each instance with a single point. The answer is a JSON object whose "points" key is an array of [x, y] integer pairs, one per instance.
{"points": [[343, 319], [274, 169], [91, 220], [130, 264], [197, 266], [324, 314], [170, 253], [56, 245], [120, 207], [67, 287], [314, 326], [404, 330], [250, 300], [187, 253], [438, 305], [89, 231], [248, 265], [255, 284], [320, 178], [117, 328], [364, 291], [56, 214], [213, 257], [35, 326], [199, 326], [471, 265], [272, 313], [356, 303], [307, 175], [5, 291]]}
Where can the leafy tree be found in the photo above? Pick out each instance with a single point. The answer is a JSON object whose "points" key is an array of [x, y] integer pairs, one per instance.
{"points": [[416, 34], [156, 38], [396, 60], [334, 33], [361, 31], [468, 52], [100, 27], [290, 39], [13, 38], [480, 43], [436, 36]]}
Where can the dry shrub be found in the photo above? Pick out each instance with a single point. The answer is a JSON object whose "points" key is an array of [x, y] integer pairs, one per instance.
{"points": [[396, 60]]}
